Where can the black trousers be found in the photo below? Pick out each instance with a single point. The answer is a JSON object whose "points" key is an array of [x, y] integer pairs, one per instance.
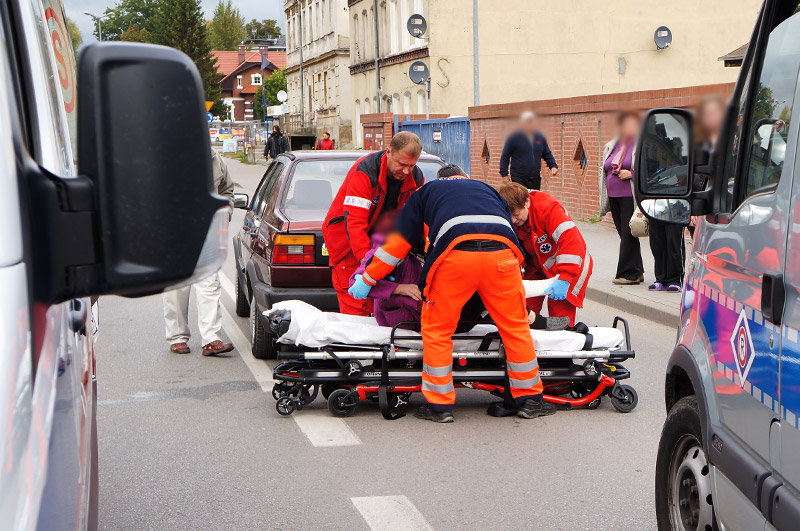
{"points": [[629, 264], [666, 242], [531, 182]]}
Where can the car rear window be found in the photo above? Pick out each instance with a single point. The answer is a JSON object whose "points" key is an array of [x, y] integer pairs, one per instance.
{"points": [[314, 183], [429, 169]]}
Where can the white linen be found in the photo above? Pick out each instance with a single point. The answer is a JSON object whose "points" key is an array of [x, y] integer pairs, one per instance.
{"points": [[314, 328]]}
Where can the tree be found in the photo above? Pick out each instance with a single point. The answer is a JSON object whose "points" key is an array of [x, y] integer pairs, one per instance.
{"points": [[262, 29], [134, 17], [180, 25], [270, 88], [226, 29], [74, 35], [136, 34]]}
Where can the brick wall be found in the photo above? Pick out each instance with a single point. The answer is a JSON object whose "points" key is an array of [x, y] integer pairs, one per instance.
{"points": [[586, 122], [379, 127]]}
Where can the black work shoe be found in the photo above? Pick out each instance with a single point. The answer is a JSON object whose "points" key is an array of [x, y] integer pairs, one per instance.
{"points": [[535, 407], [426, 413]]}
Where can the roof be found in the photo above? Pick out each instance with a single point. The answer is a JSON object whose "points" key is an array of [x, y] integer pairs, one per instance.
{"points": [[735, 57], [228, 60]]}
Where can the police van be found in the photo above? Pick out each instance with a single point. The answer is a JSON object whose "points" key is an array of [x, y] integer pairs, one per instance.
{"points": [[93, 200], [729, 455]]}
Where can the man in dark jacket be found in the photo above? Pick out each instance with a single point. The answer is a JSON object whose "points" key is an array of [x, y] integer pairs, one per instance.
{"points": [[525, 149], [276, 143]]}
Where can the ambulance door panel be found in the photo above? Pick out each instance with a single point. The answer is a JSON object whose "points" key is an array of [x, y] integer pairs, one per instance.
{"points": [[738, 255]]}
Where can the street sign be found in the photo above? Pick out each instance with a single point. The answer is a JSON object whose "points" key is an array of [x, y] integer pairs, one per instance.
{"points": [[417, 25], [418, 72], [210, 117], [282, 96]]}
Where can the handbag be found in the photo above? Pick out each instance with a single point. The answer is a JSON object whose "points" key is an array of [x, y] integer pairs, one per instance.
{"points": [[639, 224]]}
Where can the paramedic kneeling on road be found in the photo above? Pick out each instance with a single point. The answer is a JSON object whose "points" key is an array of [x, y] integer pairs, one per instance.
{"points": [[554, 247], [379, 182], [472, 248]]}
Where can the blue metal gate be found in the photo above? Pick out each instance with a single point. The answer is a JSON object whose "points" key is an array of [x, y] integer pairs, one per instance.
{"points": [[446, 137]]}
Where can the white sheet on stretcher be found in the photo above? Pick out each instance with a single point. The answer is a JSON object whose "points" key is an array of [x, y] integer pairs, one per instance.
{"points": [[313, 328]]}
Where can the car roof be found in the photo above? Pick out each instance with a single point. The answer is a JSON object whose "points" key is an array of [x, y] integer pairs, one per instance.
{"points": [[302, 154]]}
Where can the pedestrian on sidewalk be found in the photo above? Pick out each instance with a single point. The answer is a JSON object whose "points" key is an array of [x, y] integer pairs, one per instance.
{"points": [[207, 291], [524, 151], [616, 196], [709, 116], [276, 143], [325, 142]]}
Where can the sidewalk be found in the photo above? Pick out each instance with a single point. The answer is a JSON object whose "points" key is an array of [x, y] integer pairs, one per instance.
{"points": [[603, 244]]}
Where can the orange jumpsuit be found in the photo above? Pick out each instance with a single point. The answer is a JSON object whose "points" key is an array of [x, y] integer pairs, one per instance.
{"points": [[463, 216]]}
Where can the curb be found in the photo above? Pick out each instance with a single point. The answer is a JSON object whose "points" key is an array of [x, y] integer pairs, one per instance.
{"points": [[640, 309]]}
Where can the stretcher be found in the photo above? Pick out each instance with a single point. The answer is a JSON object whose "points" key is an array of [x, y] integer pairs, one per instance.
{"points": [[351, 358]]}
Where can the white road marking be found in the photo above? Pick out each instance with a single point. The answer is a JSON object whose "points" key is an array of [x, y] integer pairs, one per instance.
{"points": [[318, 426], [389, 513]]}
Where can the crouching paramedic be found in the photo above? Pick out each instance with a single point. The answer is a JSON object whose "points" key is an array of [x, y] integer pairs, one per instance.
{"points": [[554, 247], [473, 247], [377, 183]]}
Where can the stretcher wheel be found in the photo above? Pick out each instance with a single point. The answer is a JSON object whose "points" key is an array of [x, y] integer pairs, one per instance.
{"points": [[285, 406], [280, 389], [624, 398], [308, 393], [342, 403]]}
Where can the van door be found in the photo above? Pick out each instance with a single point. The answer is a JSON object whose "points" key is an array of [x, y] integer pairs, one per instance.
{"points": [[744, 252]]}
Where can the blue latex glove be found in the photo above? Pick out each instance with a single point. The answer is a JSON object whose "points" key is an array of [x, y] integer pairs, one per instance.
{"points": [[557, 290], [360, 289]]}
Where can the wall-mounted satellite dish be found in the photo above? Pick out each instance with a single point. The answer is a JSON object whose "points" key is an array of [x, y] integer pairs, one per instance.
{"points": [[417, 25], [282, 96], [418, 72], [663, 37]]}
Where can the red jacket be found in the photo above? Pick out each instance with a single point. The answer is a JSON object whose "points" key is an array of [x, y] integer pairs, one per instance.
{"points": [[357, 205], [325, 144], [554, 247]]}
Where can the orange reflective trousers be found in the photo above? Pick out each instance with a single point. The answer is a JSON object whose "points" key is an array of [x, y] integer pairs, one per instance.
{"points": [[496, 276]]}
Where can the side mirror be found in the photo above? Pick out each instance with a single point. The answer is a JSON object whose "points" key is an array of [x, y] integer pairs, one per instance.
{"points": [[677, 211], [142, 216], [241, 201]]}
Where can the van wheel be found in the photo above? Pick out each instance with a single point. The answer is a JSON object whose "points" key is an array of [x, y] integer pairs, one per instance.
{"points": [[242, 304], [263, 343], [683, 478]]}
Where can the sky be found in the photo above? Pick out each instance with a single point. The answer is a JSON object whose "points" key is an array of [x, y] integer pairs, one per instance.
{"points": [[259, 9]]}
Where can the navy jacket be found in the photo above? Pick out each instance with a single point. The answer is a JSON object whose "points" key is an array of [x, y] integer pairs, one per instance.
{"points": [[526, 158]]}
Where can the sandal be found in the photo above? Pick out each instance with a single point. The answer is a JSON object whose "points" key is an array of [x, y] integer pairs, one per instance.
{"points": [[674, 288], [656, 286]]}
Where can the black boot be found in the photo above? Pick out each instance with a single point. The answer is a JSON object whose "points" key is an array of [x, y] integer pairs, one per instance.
{"points": [[534, 407], [426, 413]]}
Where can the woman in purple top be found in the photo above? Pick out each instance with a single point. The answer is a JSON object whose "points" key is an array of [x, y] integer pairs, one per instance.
{"points": [[616, 196]]}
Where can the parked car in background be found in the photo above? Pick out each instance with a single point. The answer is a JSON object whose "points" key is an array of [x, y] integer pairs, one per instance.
{"points": [[279, 251]]}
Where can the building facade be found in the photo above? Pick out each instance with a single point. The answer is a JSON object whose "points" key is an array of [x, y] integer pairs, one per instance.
{"points": [[327, 103], [539, 50], [243, 73]]}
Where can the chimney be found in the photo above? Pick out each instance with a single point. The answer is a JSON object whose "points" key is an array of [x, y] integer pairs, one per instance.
{"points": [[241, 49]]}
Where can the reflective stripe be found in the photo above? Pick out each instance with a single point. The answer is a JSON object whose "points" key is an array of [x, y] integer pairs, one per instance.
{"points": [[568, 259], [550, 262], [369, 279], [458, 220], [360, 202], [437, 371], [522, 384], [522, 367], [442, 389], [584, 274], [387, 258], [561, 229]]}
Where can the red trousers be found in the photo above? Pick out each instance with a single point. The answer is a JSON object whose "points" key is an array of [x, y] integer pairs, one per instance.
{"points": [[340, 275], [554, 308], [496, 277]]}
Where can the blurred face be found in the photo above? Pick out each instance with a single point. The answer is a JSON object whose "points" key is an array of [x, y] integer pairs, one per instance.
{"points": [[326, 136], [629, 128], [711, 116], [274, 130], [400, 163], [529, 125], [520, 216]]}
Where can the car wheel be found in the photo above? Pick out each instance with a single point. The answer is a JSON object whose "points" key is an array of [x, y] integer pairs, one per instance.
{"points": [[683, 478], [242, 303], [263, 342]]}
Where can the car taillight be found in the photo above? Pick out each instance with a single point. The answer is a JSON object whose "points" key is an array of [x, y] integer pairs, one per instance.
{"points": [[293, 249]]}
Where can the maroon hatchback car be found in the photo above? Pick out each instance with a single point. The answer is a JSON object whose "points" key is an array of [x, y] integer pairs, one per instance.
{"points": [[279, 251]]}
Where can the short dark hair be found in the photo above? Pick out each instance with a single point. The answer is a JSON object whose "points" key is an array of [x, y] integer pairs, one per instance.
{"points": [[406, 141], [326, 133], [450, 170]]}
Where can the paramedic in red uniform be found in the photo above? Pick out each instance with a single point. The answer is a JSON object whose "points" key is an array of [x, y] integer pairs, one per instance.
{"points": [[379, 182], [554, 247], [473, 247]]}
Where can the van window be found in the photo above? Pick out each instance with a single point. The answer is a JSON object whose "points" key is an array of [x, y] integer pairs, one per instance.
{"points": [[768, 129]]}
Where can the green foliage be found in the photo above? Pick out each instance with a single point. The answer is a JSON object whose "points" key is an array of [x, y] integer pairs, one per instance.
{"points": [[765, 104], [262, 29], [136, 34], [74, 35], [270, 88], [138, 16], [226, 28]]}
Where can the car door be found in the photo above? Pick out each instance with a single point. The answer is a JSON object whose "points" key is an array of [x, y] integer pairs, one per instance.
{"points": [[740, 255], [254, 216]]}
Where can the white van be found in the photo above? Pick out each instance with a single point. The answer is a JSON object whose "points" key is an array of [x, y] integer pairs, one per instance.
{"points": [[93, 200]]}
